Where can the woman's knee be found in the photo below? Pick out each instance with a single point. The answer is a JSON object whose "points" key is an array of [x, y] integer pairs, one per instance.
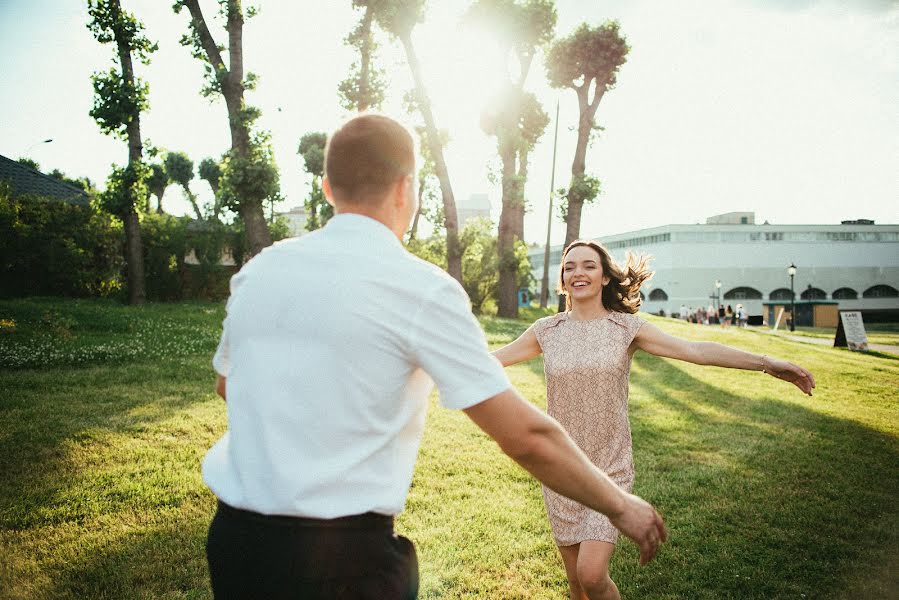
{"points": [[594, 578]]}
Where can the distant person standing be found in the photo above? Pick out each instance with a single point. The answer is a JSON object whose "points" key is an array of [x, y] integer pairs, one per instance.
{"points": [[326, 360], [728, 316], [721, 312], [683, 312]]}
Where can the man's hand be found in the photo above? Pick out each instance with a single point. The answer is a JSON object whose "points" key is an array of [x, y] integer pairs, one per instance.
{"points": [[639, 521]]}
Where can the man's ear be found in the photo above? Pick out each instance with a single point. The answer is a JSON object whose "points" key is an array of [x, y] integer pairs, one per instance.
{"points": [[400, 191], [326, 188]]}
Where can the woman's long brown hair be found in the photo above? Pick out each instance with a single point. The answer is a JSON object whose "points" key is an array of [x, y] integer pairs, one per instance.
{"points": [[622, 294]]}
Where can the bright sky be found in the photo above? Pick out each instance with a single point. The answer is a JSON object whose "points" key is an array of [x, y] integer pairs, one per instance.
{"points": [[722, 106]]}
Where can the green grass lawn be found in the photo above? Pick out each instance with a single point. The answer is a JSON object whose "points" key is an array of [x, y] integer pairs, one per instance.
{"points": [[106, 412]]}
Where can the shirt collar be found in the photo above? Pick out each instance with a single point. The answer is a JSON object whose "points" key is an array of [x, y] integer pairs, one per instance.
{"points": [[362, 228]]}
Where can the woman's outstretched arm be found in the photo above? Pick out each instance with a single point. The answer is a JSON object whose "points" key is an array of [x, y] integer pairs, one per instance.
{"points": [[653, 340], [522, 349]]}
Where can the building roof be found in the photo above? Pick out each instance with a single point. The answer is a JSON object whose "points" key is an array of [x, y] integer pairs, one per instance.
{"points": [[25, 181]]}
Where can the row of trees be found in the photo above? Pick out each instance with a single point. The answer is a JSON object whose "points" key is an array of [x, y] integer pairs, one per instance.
{"points": [[587, 61], [247, 174]]}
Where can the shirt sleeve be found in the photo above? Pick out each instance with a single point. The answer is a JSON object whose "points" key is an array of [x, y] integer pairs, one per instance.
{"points": [[221, 361], [449, 344]]}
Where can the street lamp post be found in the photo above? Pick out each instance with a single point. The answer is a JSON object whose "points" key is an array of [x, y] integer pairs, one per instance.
{"points": [[544, 286], [791, 270], [28, 149]]}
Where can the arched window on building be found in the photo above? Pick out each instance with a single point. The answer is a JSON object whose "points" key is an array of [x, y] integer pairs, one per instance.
{"points": [[743, 293], [813, 293], [658, 294], [881, 291], [780, 294], [844, 293]]}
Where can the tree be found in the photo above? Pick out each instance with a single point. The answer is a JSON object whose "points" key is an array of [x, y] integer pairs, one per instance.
{"points": [[587, 61], [479, 261], [211, 171], [398, 18], [119, 98], [29, 162], [364, 88], [180, 169], [249, 174], [312, 149], [427, 173], [157, 182], [516, 119]]}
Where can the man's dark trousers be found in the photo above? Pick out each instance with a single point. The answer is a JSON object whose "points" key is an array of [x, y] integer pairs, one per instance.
{"points": [[273, 557]]}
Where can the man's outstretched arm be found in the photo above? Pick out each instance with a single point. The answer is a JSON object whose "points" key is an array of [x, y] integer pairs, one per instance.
{"points": [[540, 445]]}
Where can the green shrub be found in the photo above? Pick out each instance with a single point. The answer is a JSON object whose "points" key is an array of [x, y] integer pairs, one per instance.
{"points": [[54, 248]]}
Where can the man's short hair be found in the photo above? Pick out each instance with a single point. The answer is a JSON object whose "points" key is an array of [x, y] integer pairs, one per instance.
{"points": [[366, 156]]}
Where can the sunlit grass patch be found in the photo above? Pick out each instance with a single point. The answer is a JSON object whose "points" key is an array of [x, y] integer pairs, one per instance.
{"points": [[767, 493]]}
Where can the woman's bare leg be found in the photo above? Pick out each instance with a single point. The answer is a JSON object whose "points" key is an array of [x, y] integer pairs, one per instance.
{"points": [[593, 570], [569, 557]]}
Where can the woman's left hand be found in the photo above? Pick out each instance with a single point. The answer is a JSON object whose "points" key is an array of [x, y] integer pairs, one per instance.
{"points": [[801, 378]]}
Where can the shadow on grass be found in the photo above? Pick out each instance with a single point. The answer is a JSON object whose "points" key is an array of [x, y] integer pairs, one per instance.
{"points": [[763, 498], [164, 560], [54, 424]]}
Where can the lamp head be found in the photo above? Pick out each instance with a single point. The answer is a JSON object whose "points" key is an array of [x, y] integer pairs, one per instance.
{"points": [[791, 270]]}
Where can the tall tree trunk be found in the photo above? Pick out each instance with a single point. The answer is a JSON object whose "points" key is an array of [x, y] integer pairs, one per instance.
{"points": [[587, 111], [159, 203], [450, 215], [231, 79], [193, 202], [365, 62], [256, 226], [413, 231], [575, 204], [134, 249], [507, 287]]}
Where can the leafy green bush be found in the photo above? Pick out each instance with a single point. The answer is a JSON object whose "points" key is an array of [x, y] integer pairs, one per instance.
{"points": [[53, 248]]}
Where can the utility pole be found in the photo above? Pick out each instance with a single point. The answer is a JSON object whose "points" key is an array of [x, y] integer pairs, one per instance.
{"points": [[544, 288]]}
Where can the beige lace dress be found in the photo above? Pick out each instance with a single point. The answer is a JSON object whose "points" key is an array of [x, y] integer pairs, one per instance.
{"points": [[587, 367]]}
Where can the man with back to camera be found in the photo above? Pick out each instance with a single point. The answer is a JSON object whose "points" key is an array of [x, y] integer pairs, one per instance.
{"points": [[328, 352]]}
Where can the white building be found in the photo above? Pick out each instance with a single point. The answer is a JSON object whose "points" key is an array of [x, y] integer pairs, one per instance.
{"points": [[856, 263], [296, 220], [476, 206]]}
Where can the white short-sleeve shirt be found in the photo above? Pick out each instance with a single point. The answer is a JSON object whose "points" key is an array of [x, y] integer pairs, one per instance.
{"points": [[329, 348]]}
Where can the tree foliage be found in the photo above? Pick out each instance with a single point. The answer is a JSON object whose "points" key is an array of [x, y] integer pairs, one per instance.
{"points": [[180, 168], [515, 118], [587, 61], [589, 54], [398, 17], [123, 185], [312, 149], [48, 247], [522, 26], [210, 171], [252, 177], [157, 182], [249, 173], [364, 87], [117, 98], [480, 262]]}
